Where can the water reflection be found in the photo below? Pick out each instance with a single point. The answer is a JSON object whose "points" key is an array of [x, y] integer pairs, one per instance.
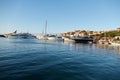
{"points": [[108, 47], [84, 47], [116, 48], [79, 47]]}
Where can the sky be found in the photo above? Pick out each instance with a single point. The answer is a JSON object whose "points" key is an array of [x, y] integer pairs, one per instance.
{"points": [[61, 15]]}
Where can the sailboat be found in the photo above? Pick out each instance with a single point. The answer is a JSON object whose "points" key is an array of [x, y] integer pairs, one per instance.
{"points": [[44, 36]]}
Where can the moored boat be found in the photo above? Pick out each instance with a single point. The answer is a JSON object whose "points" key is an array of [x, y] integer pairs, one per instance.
{"points": [[83, 39], [115, 43], [19, 36]]}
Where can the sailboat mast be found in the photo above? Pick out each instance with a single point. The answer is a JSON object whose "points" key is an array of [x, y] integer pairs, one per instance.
{"points": [[46, 27]]}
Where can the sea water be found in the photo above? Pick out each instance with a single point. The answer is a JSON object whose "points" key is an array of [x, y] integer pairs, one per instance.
{"points": [[30, 59]]}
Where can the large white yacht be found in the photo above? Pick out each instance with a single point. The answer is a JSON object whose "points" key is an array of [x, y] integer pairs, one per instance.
{"points": [[16, 35]]}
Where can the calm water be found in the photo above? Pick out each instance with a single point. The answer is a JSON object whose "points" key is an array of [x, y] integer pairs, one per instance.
{"points": [[45, 60]]}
